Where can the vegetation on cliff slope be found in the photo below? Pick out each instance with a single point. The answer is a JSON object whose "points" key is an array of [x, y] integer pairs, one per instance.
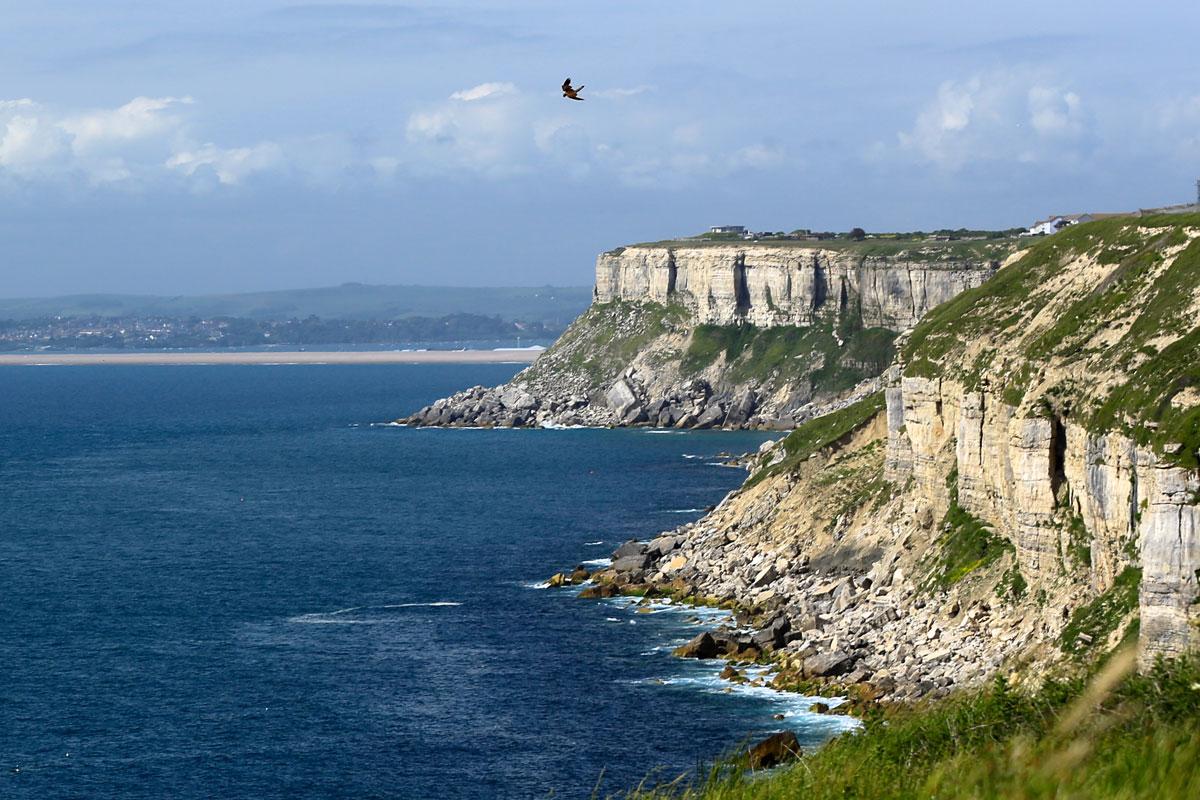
{"points": [[820, 433], [606, 338], [1110, 307], [923, 250], [790, 352], [965, 544], [1115, 735]]}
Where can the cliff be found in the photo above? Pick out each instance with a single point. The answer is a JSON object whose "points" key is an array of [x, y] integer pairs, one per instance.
{"points": [[1023, 493], [728, 335], [770, 286]]}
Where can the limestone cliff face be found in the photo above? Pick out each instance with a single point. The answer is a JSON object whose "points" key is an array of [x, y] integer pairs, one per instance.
{"points": [[1028, 494], [727, 336], [770, 286], [1030, 478]]}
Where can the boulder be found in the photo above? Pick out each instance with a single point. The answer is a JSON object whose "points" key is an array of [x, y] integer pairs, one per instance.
{"points": [[599, 591], [711, 417], [517, 399], [559, 579], [824, 665], [579, 575], [620, 397], [741, 409], [776, 749], [703, 646], [629, 548], [634, 563], [819, 708]]}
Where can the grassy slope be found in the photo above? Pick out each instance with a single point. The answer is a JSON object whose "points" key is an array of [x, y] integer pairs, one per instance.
{"points": [[1146, 377], [925, 251], [1117, 735]]}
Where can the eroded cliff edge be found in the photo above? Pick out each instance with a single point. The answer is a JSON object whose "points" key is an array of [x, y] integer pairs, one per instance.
{"points": [[728, 335], [1024, 492]]}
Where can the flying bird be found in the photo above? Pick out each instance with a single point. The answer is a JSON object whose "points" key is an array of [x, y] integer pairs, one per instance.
{"points": [[570, 91]]}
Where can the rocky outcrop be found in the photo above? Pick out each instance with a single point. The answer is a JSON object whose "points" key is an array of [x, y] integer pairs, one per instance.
{"points": [[722, 336]]}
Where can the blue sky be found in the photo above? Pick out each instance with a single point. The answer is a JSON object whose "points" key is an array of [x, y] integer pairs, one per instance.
{"points": [[182, 147]]}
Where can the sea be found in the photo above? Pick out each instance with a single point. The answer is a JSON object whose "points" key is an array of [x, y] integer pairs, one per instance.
{"points": [[243, 582]]}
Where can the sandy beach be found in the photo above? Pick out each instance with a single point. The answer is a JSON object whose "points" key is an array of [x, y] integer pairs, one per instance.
{"points": [[276, 357]]}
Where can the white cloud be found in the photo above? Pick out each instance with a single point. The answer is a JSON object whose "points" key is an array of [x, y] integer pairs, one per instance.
{"points": [[230, 165], [619, 93], [28, 143], [140, 118], [142, 140], [484, 90], [1012, 115]]}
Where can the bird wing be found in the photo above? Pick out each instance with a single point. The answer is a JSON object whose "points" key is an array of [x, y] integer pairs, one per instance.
{"points": [[567, 85]]}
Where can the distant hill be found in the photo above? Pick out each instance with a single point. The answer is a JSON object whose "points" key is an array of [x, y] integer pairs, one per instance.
{"points": [[548, 304]]}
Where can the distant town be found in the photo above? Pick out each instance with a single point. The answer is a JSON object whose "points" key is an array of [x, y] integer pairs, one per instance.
{"points": [[162, 333]]}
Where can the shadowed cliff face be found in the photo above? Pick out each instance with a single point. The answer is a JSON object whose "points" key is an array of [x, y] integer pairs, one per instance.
{"points": [[726, 336]]}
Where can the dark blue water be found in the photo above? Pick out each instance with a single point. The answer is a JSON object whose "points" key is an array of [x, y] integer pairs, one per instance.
{"points": [[225, 582]]}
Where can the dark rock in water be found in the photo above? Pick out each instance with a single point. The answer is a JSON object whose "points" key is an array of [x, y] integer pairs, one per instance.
{"points": [[779, 716], [599, 591], [819, 708], [702, 646], [630, 548], [826, 664], [730, 673], [579, 575], [558, 580], [774, 750]]}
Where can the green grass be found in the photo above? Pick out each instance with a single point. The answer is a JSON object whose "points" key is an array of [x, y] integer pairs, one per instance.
{"points": [[966, 544], [1139, 294], [929, 252], [1100, 617], [820, 433], [1117, 735], [788, 352], [608, 337]]}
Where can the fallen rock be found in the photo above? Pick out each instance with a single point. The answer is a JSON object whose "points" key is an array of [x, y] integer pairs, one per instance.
{"points": [[599, 591], [819, 708], [826, 664], [703, 646], [776, 749]]}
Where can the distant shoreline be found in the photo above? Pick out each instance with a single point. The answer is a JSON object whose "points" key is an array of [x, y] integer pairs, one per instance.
{"points": [[180, 358]]}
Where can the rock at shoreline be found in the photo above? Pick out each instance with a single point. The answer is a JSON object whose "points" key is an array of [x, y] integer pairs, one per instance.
{"points": [[776, 749], [599, 592], [824, 665], [819, 708], [703, 646]]}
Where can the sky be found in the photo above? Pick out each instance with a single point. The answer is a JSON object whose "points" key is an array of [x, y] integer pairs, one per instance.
{"points": [[166, 147]]}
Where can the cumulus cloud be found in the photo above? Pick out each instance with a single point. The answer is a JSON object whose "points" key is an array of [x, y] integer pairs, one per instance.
{"points": [[230, 165], [140, 118], [1009, 115], [141, 140]]}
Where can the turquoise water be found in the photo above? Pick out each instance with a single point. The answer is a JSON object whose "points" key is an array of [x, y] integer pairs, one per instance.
{"points": [[228, 581]]}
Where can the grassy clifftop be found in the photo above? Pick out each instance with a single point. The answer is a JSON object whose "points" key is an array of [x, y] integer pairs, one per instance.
{"points": [[1100, 322], [1115, 735]]}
